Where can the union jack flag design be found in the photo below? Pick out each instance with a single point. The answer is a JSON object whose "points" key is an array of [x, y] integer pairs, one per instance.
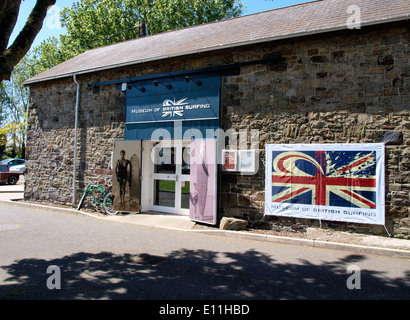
{"points": [[328, 178]]}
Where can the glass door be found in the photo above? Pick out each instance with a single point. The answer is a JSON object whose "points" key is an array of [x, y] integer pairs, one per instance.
{"points": [[170, 177]]}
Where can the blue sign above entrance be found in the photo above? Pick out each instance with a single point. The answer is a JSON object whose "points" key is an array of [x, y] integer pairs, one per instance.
{"points": [[174, 100]]}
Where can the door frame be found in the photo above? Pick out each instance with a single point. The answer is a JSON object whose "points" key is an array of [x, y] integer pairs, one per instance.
{"points": [[148, 177]]}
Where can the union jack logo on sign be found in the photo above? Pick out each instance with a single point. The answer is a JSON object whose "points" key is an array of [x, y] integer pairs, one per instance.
{"points": [[325, 178]]}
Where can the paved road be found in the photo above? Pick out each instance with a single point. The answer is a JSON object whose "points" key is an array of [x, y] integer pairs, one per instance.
{"points": [[100, 259]]}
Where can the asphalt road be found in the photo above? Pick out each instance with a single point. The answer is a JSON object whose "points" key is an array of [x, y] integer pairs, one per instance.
{"points": [[90, 258]]}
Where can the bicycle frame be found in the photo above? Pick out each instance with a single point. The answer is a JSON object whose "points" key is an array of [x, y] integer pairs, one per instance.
{"points": [[94, 188], [104, 199]]}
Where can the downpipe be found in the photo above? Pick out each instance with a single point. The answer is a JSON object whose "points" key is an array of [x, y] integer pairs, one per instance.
{"points": [[77, 103]]}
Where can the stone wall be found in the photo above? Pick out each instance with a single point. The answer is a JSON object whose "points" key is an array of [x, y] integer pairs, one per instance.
{"points": [[350, 86], [345, 88], [50, 148], [50, 134]]}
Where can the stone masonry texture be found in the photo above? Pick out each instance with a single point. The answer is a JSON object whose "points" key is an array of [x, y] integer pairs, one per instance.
{"points": [[349, 86]]}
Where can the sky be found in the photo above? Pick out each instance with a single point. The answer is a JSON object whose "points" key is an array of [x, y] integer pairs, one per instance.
{"points": [[51, 26]]}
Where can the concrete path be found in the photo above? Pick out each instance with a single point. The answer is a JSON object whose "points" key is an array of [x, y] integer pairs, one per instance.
{"points": [[50, 255], [316, 237]]}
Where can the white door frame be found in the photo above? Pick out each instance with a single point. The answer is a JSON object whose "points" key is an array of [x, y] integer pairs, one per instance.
{"points": [[148, 177]]}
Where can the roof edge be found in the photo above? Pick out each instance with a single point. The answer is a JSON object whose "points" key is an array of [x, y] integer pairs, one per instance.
{"points": [[214, 48]]}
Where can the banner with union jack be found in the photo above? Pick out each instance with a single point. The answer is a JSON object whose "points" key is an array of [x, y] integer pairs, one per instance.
{"points": [[339, 182]]}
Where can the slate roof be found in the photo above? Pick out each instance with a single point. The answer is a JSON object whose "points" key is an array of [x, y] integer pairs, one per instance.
{"points": [[288, 22]]}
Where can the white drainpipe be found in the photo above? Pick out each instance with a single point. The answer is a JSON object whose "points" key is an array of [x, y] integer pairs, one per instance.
{"points": [[75, 137]]}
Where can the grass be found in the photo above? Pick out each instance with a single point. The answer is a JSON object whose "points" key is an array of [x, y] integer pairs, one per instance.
{"points": [[166, 185]]}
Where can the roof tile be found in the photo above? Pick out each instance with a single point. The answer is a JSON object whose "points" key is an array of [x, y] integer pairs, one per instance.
{"points": [[303, 19]]}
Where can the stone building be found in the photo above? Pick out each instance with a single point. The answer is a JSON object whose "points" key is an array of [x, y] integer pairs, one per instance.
{"points": [[323, 72]]}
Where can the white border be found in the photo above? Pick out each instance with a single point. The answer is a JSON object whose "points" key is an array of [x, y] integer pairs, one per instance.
{"points": [[254, 164], [371, 216]]}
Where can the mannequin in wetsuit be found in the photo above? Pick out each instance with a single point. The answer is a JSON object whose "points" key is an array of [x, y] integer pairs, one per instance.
{"points": [[122, 171]]}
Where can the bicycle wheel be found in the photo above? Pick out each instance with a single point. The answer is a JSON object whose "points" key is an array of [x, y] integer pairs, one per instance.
{"points": [[108, 204]]}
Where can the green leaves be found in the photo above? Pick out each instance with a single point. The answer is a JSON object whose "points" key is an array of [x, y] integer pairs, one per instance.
{"points": [[166, 15], [96, 23]]}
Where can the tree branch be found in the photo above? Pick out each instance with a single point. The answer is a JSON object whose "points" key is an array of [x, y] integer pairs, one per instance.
{"points": [[22, 43], [9, 11]]}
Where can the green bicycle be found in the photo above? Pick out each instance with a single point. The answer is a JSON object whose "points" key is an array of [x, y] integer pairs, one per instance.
{"points": [[100, 197]]}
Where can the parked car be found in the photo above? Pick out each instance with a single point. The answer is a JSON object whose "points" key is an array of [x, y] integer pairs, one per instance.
{"points": [[15, 165], [7, 176]]}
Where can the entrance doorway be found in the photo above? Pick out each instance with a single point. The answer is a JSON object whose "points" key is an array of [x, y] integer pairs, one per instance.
{"points": [[166, 176]]}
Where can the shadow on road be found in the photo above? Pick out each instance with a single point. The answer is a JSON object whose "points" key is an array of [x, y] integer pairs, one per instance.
{"points": [[195, 274]]}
